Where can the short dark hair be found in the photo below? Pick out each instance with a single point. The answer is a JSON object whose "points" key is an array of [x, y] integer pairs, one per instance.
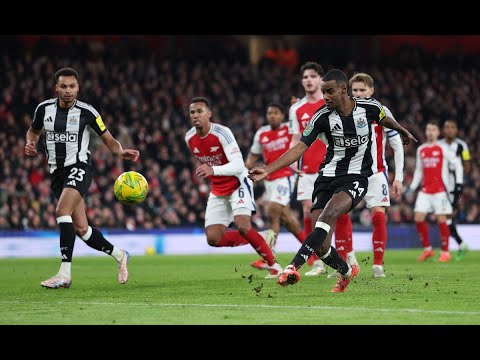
{"points": [[311, 65], [277, 105], [198, 99], [433, 122], [337, 75], [454, 121], [66, 71]]}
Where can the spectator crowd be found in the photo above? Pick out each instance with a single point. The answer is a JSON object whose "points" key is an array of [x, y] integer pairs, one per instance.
{"points": [[143, 99]]}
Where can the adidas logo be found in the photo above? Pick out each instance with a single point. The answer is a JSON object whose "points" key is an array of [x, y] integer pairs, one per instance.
{"points": [[341, 248], [379, 249], [305, 116], [196, 151], [385, 199], [304, 256], [72, 183], [49, 119], [336, 127]]}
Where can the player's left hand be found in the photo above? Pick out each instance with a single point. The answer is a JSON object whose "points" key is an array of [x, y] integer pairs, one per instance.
{"points": [[130, 154], [397, 189], [257, 174], [204, 171], [407, 137]]}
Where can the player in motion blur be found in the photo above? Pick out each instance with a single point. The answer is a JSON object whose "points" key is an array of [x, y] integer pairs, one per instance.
{"points": [[432, 166], [346, 125], [377, 197], [460, 149], [231, 196], [272, 141], [67, 121], [300, 114]]}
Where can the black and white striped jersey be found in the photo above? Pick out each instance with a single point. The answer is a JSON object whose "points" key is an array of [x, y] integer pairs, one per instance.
{"points": [[66, 134], [459, 148], [348, 138]]}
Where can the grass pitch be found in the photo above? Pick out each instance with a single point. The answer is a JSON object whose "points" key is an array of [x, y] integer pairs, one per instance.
{"points": [[224, 289]]}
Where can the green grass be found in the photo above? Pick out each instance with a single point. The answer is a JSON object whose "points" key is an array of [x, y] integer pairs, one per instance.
{"points": [[223, 289]]}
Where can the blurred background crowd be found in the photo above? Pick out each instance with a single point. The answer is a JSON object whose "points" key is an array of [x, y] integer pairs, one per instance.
{"points": [[142, 86]]}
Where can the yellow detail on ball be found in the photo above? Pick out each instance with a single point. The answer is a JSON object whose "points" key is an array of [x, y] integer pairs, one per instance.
{"points": [[131, 188]]}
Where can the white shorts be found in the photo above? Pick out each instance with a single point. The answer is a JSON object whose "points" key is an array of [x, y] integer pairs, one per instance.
{"points": [[222, 209], [437, 203], [377, 193], [280, 190], [306, 183]]}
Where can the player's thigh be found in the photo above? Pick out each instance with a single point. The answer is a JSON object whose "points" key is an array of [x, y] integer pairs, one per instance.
{"points": [[423, 203], [322, 193], [305, 187], [241, 200], [279, 190], [218, 211], [71, 184], [377, 193], [355, 186], [441, 204]]}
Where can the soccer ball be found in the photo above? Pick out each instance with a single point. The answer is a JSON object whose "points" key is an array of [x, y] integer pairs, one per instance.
{"points": [[131, 188]]}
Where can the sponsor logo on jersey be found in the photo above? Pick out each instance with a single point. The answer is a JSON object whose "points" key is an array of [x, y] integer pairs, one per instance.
{"points": [[350, 141], [62, 137]]}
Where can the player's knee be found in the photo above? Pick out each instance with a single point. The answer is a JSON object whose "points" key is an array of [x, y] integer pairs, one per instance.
{"points": [[213, 241], [330, 215], [243, 229], [213, 238]]}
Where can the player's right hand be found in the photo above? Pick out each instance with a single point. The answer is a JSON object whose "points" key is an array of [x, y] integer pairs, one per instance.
{"points": [[30, 149], [257, 174]]}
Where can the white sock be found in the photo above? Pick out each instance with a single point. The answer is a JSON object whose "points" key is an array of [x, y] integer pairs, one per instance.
{"points": [[428, 248], [65, 270], [349, 272], [117, 254]]}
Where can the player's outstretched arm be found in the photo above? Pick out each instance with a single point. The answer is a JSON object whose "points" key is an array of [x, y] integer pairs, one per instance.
{"points": [[116, 148], [293, 154], [32, 139], [404, 133]]}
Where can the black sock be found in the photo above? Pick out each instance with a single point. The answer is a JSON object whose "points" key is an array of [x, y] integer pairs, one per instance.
{"points": [[454, 233], [313, 242], [67, 240], [335, 261], [98, 242]]}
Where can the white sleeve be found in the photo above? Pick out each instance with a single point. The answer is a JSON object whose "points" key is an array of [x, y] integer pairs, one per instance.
{"points": [[396, 143], [293, 125], [235, 165], [418, 174], [256, 146]]}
